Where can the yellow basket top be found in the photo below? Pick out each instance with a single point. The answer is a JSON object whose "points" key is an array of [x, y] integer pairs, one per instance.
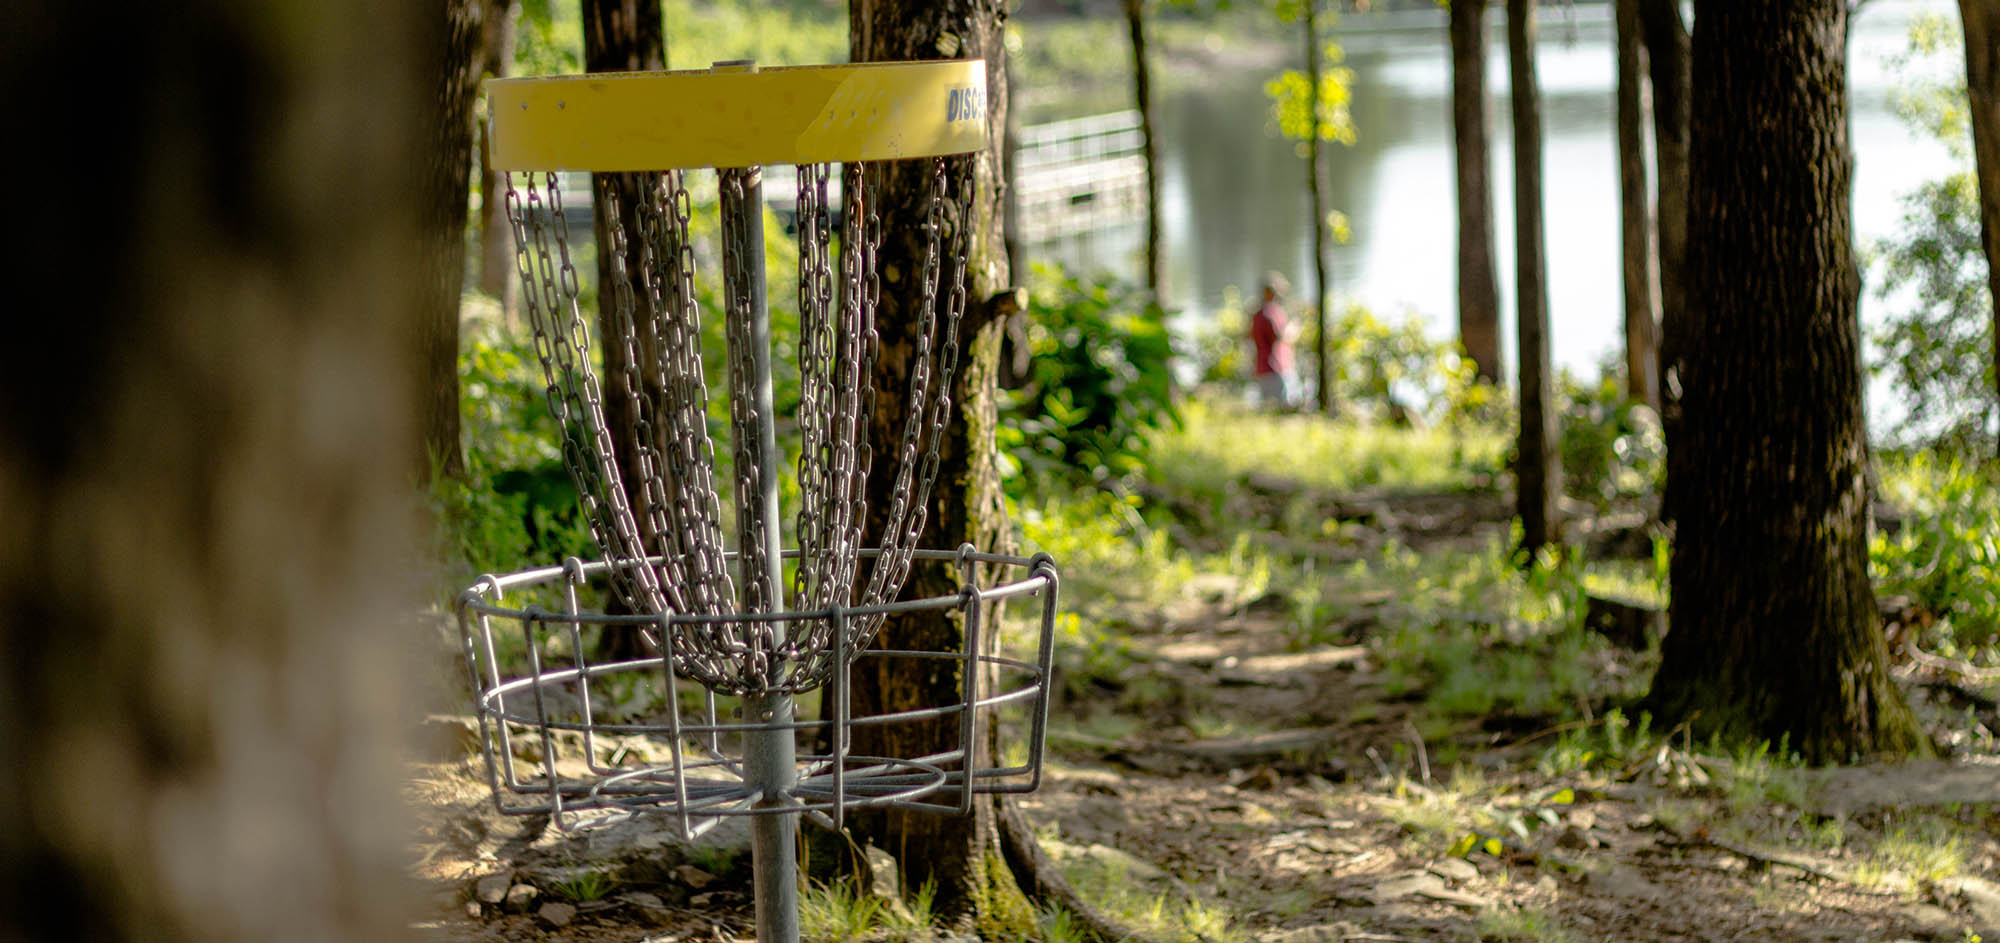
{"points": [[738, 116]]}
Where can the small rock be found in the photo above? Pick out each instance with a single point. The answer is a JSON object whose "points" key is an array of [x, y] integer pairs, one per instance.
{"points": [[1454, 869], [1573, 838], [492, 888], [520, 896], [1984, 896], [694, 877], [557, 914], [882, 867], [1626, 881], [1319, 933], [1262, 779], [1407, 884], [474, 910], [644, 900], [699, 901]]}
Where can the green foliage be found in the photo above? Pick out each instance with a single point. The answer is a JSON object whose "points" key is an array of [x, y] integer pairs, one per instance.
{"points": [[1100, 383], [1293, 104], [1939, 351], [1612, 448], [795, 32], [586, 885], [1944, 557], [1395, 369]]}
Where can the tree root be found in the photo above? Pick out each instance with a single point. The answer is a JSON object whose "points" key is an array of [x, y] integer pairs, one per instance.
{"points": [[1042, 882]]}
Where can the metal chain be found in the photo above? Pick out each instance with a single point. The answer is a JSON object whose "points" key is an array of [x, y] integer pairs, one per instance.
{"points": [[752, 549], [659, 331]]}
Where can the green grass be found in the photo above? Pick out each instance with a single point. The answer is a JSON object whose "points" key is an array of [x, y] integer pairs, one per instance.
{"points": [[1505, 925], [1220, 444]]}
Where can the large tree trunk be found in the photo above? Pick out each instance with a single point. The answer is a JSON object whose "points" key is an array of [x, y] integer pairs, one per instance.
{"points": [[1142, 93], [1667, 52], [1774, 632], [203, 580], [1538, 470], [1478, 292], [623, 36], [448, 166], [1982, 85], [1321, 347], [496, 240], [961, 857], [1641, 281]]}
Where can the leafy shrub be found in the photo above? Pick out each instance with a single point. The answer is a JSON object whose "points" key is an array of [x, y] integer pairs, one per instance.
{"points": [[1100, 380], [1946, 555], [1612, 448], [1938, 352]]}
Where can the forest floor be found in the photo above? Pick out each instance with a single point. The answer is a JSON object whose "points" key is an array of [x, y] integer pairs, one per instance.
{"points": [[1384, 732]]}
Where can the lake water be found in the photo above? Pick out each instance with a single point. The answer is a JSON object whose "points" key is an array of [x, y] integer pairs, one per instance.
{"points": [[1233, 199]]}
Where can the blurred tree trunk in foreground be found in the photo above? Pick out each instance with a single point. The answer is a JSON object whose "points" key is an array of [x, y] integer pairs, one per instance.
{"points": [[1641, 277], [1981, 22], [1471, 105], [204, 547], [1774, 631], [1538, 467], [961, 856]]}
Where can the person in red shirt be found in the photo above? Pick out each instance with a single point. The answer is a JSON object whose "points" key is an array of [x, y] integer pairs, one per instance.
{"points": [[1273, 332]]}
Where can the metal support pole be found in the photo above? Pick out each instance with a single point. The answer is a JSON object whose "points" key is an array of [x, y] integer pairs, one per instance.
{"points": [[769, 753]]}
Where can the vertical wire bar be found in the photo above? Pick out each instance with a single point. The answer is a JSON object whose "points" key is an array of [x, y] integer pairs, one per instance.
{"points": [[1044, 566], [841, 721], [676, 745], [572, 576], [542, 715], [968, 723]]}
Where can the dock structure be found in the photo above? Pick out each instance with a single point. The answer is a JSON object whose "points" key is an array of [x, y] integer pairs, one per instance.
{"points": [[1071, 177], [1080, 175]]}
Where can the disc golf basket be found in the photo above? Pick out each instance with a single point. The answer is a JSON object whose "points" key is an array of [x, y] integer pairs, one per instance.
{"points": [[731, 627]]}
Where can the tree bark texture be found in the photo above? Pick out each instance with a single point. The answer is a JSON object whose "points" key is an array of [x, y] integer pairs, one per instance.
{"points": [[1471, 105], [496, 239], [1142, 94], [1981, 22], [203, 549], [445, 195], [960, 856], [1773, 626], [623, 36], [1641, 277], [1321, 346], [1538, 469], [1667, 53]]}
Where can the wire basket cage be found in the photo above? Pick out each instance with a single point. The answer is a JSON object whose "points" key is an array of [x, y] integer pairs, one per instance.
{"points": [[580, 740]]}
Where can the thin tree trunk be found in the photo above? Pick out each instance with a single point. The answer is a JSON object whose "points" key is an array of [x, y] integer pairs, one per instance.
{"points": [[1471, 104], [1538, 473], [496, 241], [1667, 52], [960, 856], [445, 199], [1641, 281], [1981, 21], [204, 579], [1142, 93], [1774, 632], [1321, 345]]}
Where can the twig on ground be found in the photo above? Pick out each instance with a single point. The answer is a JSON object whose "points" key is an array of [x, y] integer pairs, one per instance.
{"points": [[1423, 753], [1963, 669]]}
